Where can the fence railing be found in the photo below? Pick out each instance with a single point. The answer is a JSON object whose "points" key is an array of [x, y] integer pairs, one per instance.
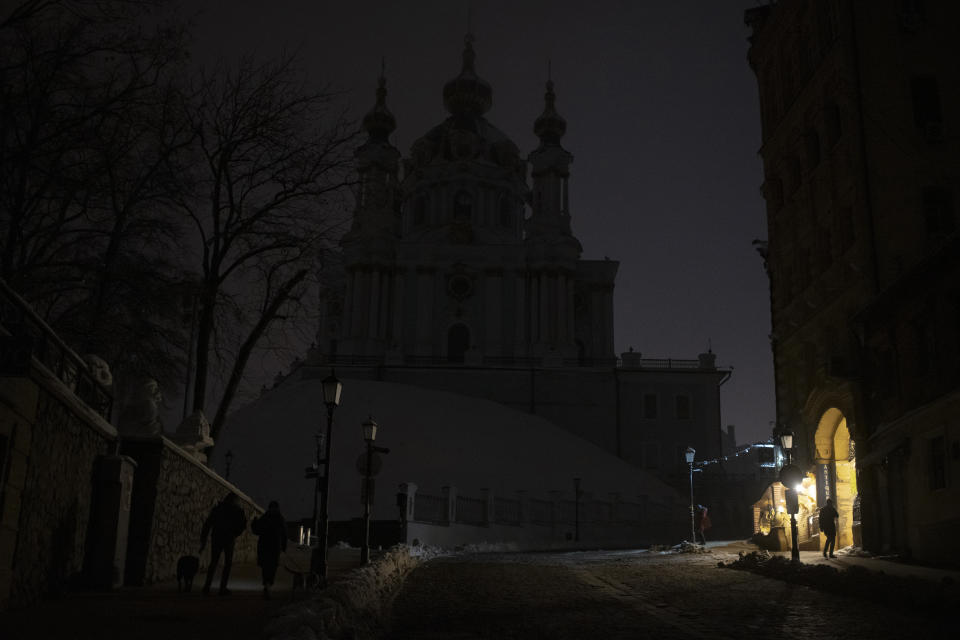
{"points": [[449, 508], [25, 334]]}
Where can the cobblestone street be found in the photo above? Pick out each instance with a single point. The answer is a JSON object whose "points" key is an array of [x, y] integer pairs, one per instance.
{"points": [[631, 595]]}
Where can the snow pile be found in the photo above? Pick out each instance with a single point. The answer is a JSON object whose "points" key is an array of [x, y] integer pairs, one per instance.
{"points": [[356, 606], [875, 586]]}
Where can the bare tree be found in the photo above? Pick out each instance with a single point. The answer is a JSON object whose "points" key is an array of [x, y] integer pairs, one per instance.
{"points": [[88, 137], [274, 162]]}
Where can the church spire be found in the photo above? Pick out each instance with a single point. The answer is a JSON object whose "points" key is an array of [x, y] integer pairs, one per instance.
{"points": [[550, 126], [468, 94], [379, 123], [550, 173]]}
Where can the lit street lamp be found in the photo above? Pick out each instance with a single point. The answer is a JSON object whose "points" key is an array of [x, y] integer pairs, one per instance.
{"points": [[790, 477], [370, 469], [331, 397], [688, 454]]}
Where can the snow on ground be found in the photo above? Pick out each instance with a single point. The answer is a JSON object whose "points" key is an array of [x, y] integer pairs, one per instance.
{"points": [[435, 438]]}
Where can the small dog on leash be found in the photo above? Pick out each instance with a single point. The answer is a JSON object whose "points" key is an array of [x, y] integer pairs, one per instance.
{"points": [[187, 567]]}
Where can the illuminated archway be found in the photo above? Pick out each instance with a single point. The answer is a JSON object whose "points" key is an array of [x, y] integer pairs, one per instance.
{"points": [[836, 470]]}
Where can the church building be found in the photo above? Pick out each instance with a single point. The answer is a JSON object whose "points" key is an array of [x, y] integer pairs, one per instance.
{"points": [[459, 312], [443, 266]]}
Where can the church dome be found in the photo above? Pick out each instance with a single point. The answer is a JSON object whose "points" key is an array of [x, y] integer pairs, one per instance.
{"points": [[468, 95], [379, 123], [466, 135], [550, 126]]}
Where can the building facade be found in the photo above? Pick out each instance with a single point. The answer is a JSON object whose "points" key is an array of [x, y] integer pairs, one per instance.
{"points": [[861, 172], [461, 272]]}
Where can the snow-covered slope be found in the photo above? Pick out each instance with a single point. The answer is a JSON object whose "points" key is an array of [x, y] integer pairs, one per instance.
{"points": [[435, 439]]}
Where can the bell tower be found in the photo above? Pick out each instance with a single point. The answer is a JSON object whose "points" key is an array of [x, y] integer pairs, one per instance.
{"points": [[369, 246]]}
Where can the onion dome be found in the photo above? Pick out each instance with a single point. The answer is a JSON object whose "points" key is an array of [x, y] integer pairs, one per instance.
{"points": [[550, 126], [468, 94], [379, 122]]}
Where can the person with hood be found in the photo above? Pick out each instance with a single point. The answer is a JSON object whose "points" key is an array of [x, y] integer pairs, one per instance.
{"points": [[225, 522], [272, 541], [828, 525]]}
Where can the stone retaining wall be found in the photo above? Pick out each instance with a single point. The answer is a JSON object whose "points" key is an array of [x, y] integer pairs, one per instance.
{"points": [[46, 503], [172, 494]]}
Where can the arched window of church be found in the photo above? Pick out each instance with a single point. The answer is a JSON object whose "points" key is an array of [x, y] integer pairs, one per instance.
{"points": [[458, 341], [420, 210], [506, 212], [462, 207]]}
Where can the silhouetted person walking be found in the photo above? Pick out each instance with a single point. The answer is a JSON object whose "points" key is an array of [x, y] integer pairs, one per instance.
{"points": [[828, 524], [272, 541], [702, 523], [225, 522]]}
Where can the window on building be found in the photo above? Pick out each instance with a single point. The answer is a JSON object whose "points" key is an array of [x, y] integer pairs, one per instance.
{"points": [[420, 210], [462, 207], [650, 406], [506, 212], [938, 463], [926, 106], [683, 406], [938, 212]]}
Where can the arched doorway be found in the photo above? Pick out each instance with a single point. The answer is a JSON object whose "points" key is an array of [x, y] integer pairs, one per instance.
{"points": [[836, 472], [458, 341]]}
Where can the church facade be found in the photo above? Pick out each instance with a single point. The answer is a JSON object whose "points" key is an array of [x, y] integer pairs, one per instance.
{"points": [[441, 263], [461, 274]]}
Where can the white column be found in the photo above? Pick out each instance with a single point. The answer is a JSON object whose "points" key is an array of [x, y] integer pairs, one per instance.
{"points": [[397, 309], [520, 312], [346, 328], [562, 335], [374, 302], [534, 307], [493, 311], [425, 312], [544, 307]]}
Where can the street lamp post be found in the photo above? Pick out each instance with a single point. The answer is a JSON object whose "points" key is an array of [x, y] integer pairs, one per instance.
{"points": [[228, 458], [369, 435], [790, 477], [331, 397], [689, 454]]}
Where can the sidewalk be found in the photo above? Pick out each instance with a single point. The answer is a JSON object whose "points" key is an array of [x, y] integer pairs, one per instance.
{"points": [[159, 612], [845, 559]]}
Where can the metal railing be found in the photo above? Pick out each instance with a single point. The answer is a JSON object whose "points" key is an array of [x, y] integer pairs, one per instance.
{"points": [[22, 326]]}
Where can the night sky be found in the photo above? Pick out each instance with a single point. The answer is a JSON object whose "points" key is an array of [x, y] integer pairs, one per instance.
{"points": [[663, 122]]}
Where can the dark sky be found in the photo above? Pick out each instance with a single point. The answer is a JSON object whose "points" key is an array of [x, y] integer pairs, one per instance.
{"points": [[663, 122]]}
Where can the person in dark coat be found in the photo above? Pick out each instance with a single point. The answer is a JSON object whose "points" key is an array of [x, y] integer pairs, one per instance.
{"points": [[702, 523], [272, 541], [828, 525], [225, 522]]}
